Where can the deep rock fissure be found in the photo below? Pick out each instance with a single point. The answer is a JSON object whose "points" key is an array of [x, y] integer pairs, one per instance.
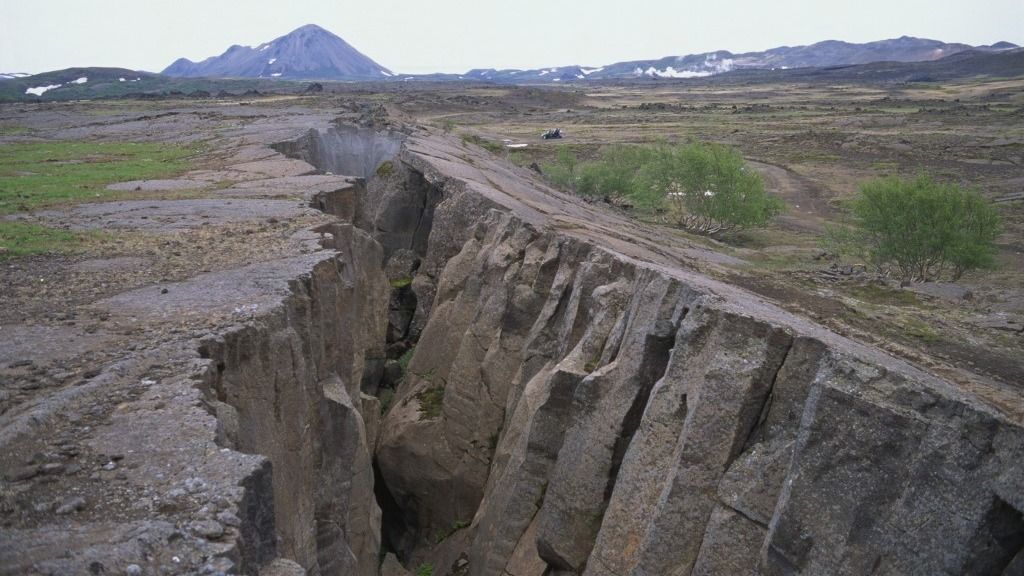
{"points": [[728, 416], [394, 204]]}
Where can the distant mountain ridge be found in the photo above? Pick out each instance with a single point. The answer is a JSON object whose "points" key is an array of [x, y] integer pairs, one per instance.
{"points": [[818, 55], [307, 53]]}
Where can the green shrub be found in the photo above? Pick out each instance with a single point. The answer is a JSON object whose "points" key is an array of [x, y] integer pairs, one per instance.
{"points": [[705, 188], [919, 229], [617, 172], [425, 570], [709, 188], [562, 172], [385, 169]]}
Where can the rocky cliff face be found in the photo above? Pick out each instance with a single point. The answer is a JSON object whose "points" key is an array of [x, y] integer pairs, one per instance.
{"points": [[575, 405]]}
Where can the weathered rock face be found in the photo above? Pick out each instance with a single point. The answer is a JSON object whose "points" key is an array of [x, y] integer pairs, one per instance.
{"points": [[288, 388], [593, 411]]}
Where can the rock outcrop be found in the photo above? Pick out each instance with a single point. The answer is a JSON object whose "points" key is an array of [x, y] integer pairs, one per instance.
{"points": [[593, 410]]}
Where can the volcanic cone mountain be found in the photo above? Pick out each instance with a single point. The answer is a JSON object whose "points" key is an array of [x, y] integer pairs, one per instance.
{"points": [[309, 52]]}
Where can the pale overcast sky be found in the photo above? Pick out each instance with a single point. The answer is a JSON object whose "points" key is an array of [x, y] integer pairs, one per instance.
{"points": [[418, 36]]}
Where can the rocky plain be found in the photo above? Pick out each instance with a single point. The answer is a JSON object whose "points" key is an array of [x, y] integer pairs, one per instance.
{"points": [[358, 334]]}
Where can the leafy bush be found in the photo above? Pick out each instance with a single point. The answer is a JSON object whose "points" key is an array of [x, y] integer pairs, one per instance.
{"points": [[709, 188], [705, 188], [617, 173], [562, 172], [919, 229]]}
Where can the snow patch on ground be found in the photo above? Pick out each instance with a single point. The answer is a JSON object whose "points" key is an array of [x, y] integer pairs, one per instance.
{"points": [[589, 71], [81, 80], [276, 74], [121, 80], [386, 73], [272, 60], [40, 90]]}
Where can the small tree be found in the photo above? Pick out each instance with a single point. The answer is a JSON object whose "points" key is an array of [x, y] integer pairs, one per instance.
{"points": [[709, 188], [920, 229], [616, 174]]}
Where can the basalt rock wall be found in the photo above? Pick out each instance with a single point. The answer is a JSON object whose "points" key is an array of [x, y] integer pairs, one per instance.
{"points": [[573, 406]]}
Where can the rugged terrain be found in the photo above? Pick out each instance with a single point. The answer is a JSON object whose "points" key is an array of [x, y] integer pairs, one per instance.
{"points": [[357, 337]]}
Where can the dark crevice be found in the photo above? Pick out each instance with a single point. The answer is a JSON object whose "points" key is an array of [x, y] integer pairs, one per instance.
{"points": [[421, 233], [657, 350], [757, 428], [397, 529], [999, 542]]}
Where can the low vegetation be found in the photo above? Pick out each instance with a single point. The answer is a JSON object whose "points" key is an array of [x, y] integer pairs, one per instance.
{"points": [[704, 188], [23, 239], [38, 175], [47, 174], [431, 401], [919, 229], [443, 535], [489, 145]]}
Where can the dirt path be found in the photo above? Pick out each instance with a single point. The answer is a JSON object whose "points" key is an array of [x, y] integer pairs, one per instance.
{"points": [[807, 205]]}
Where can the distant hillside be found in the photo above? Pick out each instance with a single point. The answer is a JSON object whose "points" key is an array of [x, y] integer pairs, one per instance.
{"points": [[308, 53], [966, 64], [92, 83], [72, 83], [819, 55]]}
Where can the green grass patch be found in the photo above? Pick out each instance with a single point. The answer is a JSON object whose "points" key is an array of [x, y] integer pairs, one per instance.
{"points": [[401, 282], [14, 130], [443, 535], [386, 398], [385, 169], [431, 401], [917, 329], [405, 358], [37, 175], [425, 570], [881, 295], [22, 239], [489, 145], [884, 167]]}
